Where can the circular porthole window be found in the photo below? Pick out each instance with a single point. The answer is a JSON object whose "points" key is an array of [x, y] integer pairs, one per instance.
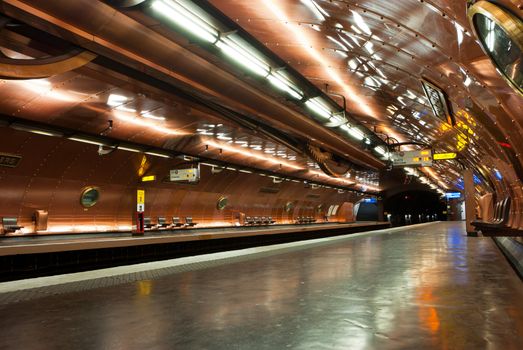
{"points": [[288, 207], [500, 34], [90, 197], [222, 203]]}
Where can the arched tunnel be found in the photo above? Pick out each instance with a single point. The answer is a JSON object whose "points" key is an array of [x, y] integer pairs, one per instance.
{"points": [[261, 174]]}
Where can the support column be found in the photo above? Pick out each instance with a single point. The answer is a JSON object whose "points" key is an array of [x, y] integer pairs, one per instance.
{"points": [[470, 201]]}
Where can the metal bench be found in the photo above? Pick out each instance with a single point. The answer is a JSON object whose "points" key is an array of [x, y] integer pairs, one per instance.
{"points": [[189, 222], [147, 223], [499, 223], [177, 222], [162, 223], [10, 224]]}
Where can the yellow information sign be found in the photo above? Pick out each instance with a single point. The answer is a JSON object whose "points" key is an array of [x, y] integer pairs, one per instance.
{"points": [[140, 200], [148, 178], [140, 196], [444, 156]]}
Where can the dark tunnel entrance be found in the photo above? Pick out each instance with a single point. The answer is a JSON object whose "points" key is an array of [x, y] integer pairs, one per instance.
{"points": [[412, 207]]}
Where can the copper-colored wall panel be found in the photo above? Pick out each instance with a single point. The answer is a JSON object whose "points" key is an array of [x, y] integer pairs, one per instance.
{"points": [[54, 171]]}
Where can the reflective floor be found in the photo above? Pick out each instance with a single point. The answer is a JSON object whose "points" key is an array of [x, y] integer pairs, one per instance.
{"points": [[416, 288]]}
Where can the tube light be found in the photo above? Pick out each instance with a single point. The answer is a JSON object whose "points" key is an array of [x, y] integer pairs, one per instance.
{"points": [[280, 82], [319, 108], [158, 154], [129, 149], [353, 131], [85, 140], [380, 150], [185, 18], [243, 56]]}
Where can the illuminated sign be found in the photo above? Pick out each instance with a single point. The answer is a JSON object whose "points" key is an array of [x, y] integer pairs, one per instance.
{"points": [[370, 200], [444, 156], [140, 201], [190, 175], [451, 195], [412, 158], [148, 178], [9, 160]]}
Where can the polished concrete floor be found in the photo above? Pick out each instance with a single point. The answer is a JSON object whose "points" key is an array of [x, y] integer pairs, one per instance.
{"points": [[416, 288]]}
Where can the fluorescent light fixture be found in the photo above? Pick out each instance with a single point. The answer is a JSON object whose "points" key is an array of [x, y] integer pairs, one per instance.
{"points": [[86, 140], [318, 107], [179, 13], [129, 148], [280, 82], [380, 150], [244, 56], [36, 130], [158, 154], [245, 171], [356, 133], [360, 22]]}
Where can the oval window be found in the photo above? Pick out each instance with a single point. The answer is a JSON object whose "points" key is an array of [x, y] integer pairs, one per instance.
{"points": [[89, 197], [222, 203], [500, 34]]}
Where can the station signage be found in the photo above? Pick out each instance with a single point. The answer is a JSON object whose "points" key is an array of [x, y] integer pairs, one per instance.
{"points": [[452, 195], [412, 158], [189, 175], [9, 160], [444, 156], [140, 201]]}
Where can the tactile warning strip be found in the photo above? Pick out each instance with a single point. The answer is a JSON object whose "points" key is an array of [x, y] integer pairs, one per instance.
{"points": [[17, 291]]}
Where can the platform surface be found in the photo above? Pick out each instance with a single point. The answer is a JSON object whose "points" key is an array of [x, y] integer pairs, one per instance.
{"points": [[419, 287]]}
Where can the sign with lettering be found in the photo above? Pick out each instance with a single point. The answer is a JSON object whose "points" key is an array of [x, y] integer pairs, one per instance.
{"points": [[9, 160], [140, 201], [412, 158], [444, 156], [190, 175]]}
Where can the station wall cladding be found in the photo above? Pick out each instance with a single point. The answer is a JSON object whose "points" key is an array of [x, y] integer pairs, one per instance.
{"points": [[53, 172]]}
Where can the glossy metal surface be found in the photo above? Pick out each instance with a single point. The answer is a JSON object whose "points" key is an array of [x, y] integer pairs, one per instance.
{"points": [[425, 287]]}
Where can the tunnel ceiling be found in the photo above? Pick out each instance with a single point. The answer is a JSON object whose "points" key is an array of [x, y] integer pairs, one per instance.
{"points": [[374, 53]]}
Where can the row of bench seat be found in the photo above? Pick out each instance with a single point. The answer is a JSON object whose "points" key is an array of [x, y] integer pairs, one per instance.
{"points": [[499, 225], [259, 220], [10, 224], [162, 222], [305, 220]]}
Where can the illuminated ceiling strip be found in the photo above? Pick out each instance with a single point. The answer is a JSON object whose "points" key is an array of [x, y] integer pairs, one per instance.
{"points": [[184, 15], [244, 152]]}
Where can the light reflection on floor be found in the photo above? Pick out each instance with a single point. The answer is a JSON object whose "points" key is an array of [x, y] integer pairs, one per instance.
{"points": [[419, 288]]}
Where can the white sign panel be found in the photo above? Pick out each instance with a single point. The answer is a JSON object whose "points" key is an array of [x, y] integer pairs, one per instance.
{"points": [[140, 208], [190, 175], [412, 158]]}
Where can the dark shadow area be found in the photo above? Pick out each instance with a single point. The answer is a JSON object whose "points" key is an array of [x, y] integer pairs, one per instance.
{"points": [[413, 207]]}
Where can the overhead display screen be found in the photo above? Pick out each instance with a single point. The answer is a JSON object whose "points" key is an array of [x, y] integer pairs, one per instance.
{"points": [[452, 195]]}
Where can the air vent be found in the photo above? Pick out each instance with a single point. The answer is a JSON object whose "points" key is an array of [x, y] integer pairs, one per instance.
{"points": [[269, 190]]}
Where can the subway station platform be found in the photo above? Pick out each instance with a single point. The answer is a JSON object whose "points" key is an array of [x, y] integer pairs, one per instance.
{"points": [[418, 287]]}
